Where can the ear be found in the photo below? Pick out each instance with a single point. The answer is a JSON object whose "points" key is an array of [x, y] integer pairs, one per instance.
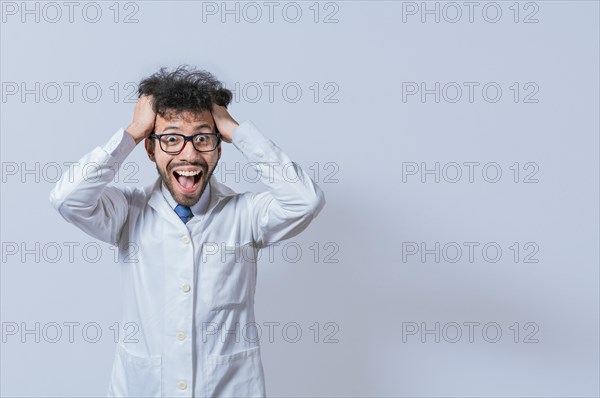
{"points": [[149, 149]]}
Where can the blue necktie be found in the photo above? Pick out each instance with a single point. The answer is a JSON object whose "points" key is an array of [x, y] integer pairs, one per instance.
{"points": [[184, 212]]}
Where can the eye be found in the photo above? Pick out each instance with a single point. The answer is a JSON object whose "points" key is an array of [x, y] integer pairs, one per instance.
{"points": [[201, 139], [171, 139]]}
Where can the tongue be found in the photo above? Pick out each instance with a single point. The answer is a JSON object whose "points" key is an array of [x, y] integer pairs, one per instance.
{"points": [[186, 182]]}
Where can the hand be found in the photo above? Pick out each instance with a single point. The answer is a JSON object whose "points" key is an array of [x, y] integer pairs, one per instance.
{"points": [[224, 122], [144, 119]]}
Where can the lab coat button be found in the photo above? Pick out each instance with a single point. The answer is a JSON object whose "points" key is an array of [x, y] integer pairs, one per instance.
{"points": [[180, 336], [185, 239], [182, 385], [185, 287]]}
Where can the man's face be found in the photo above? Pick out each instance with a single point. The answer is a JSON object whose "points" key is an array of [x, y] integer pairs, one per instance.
{"points": [[198, 166]]}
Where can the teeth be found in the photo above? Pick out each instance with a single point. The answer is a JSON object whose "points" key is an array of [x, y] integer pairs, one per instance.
{"points": [[187, 173]]}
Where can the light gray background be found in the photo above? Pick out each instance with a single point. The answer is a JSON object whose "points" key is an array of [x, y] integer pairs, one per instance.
{"points": [[368, 134]]}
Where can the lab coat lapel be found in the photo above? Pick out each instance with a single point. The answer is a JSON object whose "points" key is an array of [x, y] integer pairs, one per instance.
{"points": [[158, 202], [218, 193]]}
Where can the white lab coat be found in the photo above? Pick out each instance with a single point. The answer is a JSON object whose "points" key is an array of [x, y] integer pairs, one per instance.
{"points": [[188, 293]]}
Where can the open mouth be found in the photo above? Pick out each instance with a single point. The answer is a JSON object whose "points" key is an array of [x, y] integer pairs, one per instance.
{"points": [[188, 180]]}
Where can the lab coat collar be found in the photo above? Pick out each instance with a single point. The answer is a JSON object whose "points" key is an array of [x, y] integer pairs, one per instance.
{"points": [[198, 209], [158, 202]]}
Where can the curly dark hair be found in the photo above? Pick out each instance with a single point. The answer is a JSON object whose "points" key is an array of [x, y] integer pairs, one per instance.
{"points": [[184, 90]]}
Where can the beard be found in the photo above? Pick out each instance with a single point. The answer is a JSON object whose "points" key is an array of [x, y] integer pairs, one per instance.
{"points": [[186, 199]]}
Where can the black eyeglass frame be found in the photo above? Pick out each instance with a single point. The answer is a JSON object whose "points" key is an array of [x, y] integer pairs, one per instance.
{"points": [[186, 138]]}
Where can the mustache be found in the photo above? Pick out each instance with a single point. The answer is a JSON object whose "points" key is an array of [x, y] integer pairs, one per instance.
{"points": [[204, 166]]}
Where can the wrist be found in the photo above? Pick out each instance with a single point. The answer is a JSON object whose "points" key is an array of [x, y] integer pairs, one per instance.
{"points": [[138, 133], [228, 129]]}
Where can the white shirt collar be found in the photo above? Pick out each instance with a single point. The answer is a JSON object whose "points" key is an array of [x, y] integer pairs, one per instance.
{"points": [[199, 209]]}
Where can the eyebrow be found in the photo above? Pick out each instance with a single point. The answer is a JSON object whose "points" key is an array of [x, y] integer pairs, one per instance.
{"points": [[199, 127]]}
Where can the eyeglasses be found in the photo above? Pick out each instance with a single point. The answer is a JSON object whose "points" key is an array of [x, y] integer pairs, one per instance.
{"points": [[173, 143]]}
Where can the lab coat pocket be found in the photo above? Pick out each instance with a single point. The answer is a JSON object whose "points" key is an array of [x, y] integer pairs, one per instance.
{"points": [[228, 278], [236, 375], [134, 376]]}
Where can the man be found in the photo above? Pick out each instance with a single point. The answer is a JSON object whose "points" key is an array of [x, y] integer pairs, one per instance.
{"points": [[187, 244]]}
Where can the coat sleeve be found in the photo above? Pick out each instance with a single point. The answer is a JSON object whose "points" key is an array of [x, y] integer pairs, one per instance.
{"points": [[292, 199], [82, 195]]}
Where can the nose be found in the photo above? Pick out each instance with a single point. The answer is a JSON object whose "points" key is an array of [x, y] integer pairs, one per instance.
{"points": [[188, 152]]}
